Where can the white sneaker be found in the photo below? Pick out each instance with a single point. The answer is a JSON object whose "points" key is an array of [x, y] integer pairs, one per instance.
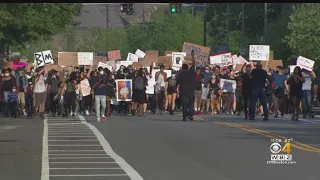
{"points": [[24, 112], [103, 117], [87, 112], [98, 120], [71, 113]]}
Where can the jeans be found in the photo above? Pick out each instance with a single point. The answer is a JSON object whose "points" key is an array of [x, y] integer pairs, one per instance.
{"points": [[69, 102], [246, 103], [53, 103], [187, 106], [13, 108], [261, 94], [100, 100], [306, 103], [278, 104], [29, 104], [6, 105], [151, 102]]}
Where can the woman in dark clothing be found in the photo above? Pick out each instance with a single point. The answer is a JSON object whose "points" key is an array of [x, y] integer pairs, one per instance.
{"points": [[7, 83], [111, 86], [139, 92], [171, 93], [295, 93]]}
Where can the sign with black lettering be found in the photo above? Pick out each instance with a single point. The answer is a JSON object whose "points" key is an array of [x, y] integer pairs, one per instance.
{"points": [[42, 58], [259, 52], [228, 86]]}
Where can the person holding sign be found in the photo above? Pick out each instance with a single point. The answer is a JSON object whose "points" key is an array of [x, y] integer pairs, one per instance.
{"points": [[39, 91]]}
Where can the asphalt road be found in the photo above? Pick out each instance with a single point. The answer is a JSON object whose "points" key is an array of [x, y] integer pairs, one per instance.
{"points": [[155, 147]]}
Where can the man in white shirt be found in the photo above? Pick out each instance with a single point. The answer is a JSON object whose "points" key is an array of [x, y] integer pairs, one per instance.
{"points": [[309, 76], [39, 91]]}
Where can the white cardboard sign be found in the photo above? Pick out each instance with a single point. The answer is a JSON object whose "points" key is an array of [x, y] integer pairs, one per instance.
{"points": [[123, 63], [291, 68], [222, 60], [132, 57], [85, 58], [239, 60], [305, 63], [140, 53], [259, 52], [103, 65], [228, 86], [177, 60], [42, 58]]}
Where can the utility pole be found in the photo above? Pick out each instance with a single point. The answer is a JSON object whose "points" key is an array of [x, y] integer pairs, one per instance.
{"points": [[228, 21], [265, 21], [204, 25], [242, 32], [192, 11]]}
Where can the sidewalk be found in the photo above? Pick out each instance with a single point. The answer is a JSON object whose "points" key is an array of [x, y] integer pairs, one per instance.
{"points": [[20, 148]]}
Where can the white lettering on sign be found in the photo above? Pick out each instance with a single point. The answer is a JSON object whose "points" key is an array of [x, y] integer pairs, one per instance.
{"points": [[305, 63], [222, 60], [85, 58], [42, 58], [228, 86], [259, 52]]}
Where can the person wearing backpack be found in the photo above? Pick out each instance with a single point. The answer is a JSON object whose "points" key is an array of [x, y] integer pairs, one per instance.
{"points": [[139, 92]]}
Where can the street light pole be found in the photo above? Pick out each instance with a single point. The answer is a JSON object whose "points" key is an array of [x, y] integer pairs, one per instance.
{"points": [[242, 32], [107, 27], [228, 28], [265, 21], [204, 26]]}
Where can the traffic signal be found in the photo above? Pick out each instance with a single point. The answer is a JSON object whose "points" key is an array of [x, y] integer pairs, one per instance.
{"points": [[175, 7], [127, 8]]}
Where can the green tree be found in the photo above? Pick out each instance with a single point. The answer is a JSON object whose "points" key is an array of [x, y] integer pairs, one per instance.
{"points": [[304, 37], [28, 22]]}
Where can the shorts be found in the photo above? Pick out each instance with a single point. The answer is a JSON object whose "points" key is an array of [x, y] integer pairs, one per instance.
{"points": [[39, 98], [204, 95], [198, 94]]}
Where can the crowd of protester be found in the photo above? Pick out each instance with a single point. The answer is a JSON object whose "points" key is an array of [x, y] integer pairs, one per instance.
{"points": [[192, 90]]}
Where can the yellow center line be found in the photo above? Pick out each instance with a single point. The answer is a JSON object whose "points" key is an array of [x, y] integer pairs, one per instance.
{"points": [[268, 134]]}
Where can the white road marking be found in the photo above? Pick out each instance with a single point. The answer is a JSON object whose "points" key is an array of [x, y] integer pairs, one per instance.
{"points": [[72, 136], [80, 158], [69, 133], [85, 168], [89, 175], [76, 145], [77, 154], [76, 140], [45, 160], [82, 163], [133, 174], [75, 150]]}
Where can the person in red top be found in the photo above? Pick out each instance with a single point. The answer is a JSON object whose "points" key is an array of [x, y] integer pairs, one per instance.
{"points": [[198, 91]]}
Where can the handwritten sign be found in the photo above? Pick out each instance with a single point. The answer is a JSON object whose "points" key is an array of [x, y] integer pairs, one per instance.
{"points": [[305, 63], [259, 52], [228, 86], [42, 58], [85, 87], [132, 57], [104, 65], [201, 53], [85, 58], [222, 60], [239, 60], [114, 55]]}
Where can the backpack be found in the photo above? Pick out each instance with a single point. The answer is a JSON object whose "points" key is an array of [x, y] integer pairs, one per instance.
{"points": [[138, 83]]}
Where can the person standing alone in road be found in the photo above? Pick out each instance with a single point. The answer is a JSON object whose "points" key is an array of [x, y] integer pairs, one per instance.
{"points": [[186, 89], [258, 81]]}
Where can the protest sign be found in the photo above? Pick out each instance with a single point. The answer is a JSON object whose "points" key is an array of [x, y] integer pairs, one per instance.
{"points": [[166, 61], [222, 60], [132, 57], [291, 68], [104, 65], [97, 59], [42, 58], [154, 71], [305, 63], [28, 67], [114, 55], [85, 87], [140, 53], [19, 65], [151, 56], [50, 67], [177, 60], [150, 87], [238, 67], [201, 53], [67, 59], [123, 63], [239, 60], [167, 52], [259, 52], [136, 65], [228, 86], [274, 63], [85, 58]]}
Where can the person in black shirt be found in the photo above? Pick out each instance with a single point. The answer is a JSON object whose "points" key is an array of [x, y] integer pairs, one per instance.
{"points": [[171, 91], [258, 82], [246, 88], [110, 86], [213, 91], [186, 88], [295, 82]]}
